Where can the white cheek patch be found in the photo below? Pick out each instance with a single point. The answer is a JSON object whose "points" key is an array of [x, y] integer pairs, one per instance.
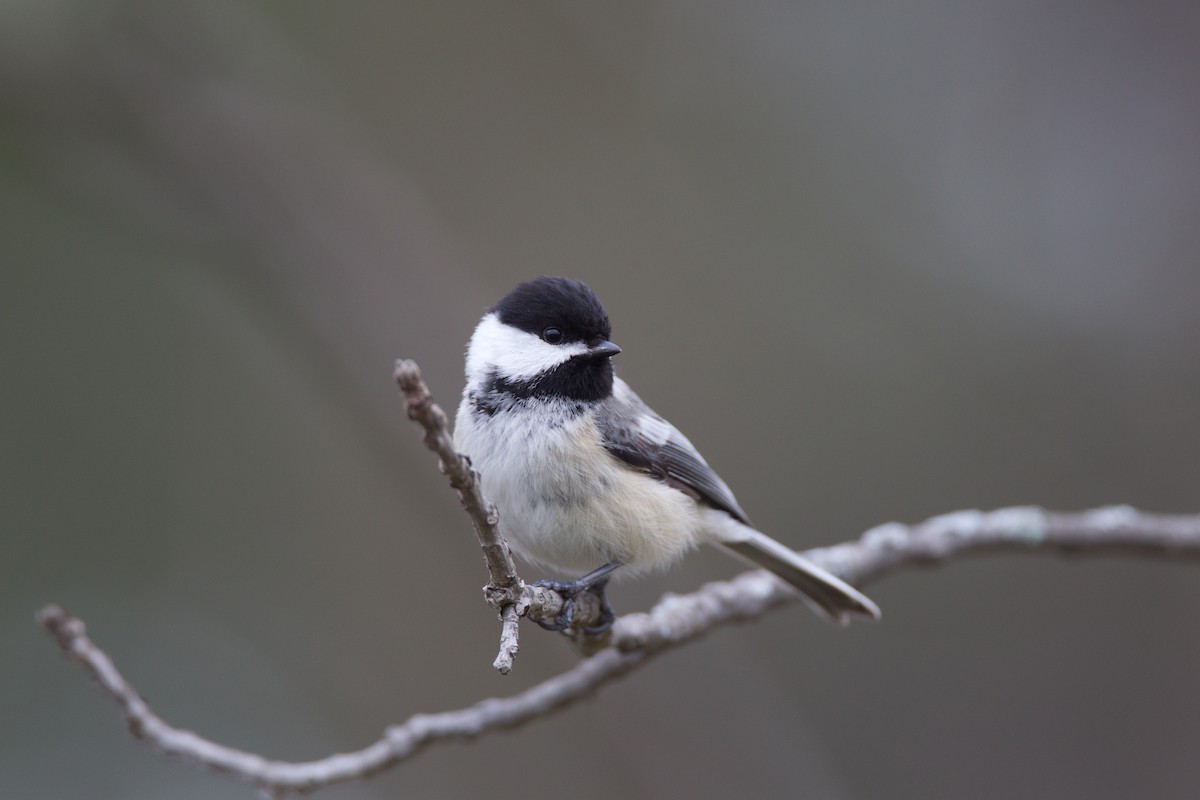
{"points": [[515, 354]]}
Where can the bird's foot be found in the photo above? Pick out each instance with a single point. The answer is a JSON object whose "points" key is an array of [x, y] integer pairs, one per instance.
{"points": [[594, 583]]}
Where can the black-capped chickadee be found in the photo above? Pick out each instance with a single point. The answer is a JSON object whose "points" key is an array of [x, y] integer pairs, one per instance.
{"points": [[586, 475]]}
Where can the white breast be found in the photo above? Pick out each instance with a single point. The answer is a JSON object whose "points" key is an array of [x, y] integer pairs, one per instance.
{"points": [[564, 502]]}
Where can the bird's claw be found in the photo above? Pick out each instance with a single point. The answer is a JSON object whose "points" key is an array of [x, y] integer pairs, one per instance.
{"points": [[607, 617], [569, 591]]}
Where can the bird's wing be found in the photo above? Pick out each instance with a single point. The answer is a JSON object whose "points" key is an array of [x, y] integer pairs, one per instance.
{"points": [[642, 439]]}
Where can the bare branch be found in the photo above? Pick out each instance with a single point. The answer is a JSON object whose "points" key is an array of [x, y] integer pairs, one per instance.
{"points": [[457, 468], [636, 638], [1113, 530], [506, 591], [399, 742]]}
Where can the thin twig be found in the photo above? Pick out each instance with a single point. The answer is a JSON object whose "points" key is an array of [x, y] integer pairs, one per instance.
{"points": [[505, 590], [457, 468], [509, 639], [636, 638]]}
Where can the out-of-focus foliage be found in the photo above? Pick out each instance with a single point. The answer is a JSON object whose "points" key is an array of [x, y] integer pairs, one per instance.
{"points": [[878, 260]]}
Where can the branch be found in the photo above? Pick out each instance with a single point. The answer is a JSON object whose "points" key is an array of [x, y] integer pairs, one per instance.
{"points": [[399, 742], [420, 406], [506, 591], [636, 638]]}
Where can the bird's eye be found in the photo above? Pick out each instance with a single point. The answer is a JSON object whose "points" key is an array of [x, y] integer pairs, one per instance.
{"points": [[552, 335]]}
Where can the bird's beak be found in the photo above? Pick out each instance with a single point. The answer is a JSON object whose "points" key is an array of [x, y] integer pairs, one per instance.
{"points": [[605, 349]]}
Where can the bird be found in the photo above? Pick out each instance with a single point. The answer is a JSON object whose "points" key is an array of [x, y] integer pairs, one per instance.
{"points": [[587, 479]]}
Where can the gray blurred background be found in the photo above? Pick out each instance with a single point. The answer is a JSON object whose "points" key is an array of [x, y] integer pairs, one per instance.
{"points": [[879, 260]]}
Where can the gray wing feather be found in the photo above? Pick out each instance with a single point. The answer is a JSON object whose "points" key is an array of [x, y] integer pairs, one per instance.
{"points": [[642, 439]]}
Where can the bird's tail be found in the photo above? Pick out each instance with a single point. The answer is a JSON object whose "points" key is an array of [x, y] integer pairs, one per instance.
{"points": [[830, 596]]}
